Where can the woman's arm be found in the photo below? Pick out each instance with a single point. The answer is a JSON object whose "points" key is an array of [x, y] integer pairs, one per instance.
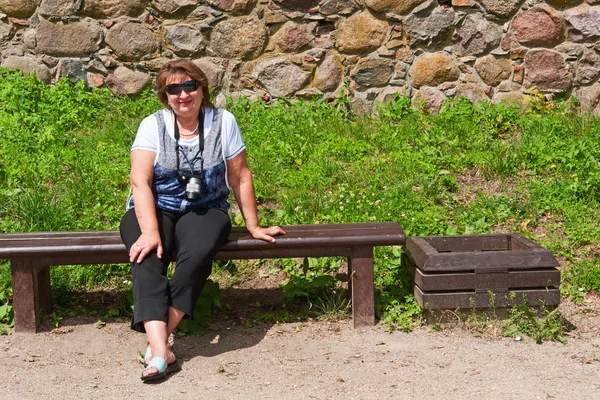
{"points": [[142, 173], [240, 180]]}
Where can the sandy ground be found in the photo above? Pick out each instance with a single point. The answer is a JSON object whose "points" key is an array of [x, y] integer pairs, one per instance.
{"points": [[315, 360]]}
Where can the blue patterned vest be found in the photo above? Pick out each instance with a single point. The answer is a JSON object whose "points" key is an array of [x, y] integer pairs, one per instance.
{"points": [[169, 193]]}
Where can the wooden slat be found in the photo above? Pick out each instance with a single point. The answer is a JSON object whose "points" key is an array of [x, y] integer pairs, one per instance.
{"points": [[420, 250], [298, 236], [472, 281], [432, 253], [459, 243], [513, 259], [467, 300]]}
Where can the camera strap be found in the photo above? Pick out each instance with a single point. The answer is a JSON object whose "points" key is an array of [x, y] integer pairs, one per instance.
{"points": [[200, 142]]}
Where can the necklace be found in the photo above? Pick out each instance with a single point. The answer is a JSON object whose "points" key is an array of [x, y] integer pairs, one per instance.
{"points": [[192, 133]]}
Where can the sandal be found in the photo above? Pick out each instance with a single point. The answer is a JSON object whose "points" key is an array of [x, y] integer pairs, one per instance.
{"points": [[161, 366], [147, 356]]}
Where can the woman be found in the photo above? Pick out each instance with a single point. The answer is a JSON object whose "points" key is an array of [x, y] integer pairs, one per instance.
{"points": [[184, 160]]}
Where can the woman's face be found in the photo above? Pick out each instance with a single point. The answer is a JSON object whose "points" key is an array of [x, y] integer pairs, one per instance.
{"points": [[184, 104]]}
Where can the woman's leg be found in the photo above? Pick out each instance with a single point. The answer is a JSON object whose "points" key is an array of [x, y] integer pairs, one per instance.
{"points": [[198, 236], [151, 286], [150, 283]]}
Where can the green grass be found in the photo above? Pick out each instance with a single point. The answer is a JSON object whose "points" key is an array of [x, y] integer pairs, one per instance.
{"points": [[471, 169]]}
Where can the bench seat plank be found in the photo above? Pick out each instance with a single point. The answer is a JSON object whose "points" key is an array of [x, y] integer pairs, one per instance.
{"points": [[32, 253], [57, 243]]}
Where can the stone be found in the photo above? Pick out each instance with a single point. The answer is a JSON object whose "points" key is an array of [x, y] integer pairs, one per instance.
{"points": [[71, 69], [493, 70], [280, 77], [432, 69], [518, 53], [472, 91], [518, 74], [233, 6], [329, 74], [546, 70], [96, 66], [563, 3], [13, 51], [461, 3], [19, 8], [476, 36], [174, 7], [131, 40], [429, 99], [588, 96], [360, 104], [294, 37], [61, 8], [28, 65], [393, 6], [77, 39], [405, 54], [5, 31], [361, 33], [537, 27], [125, 81], [213, 69], [502, 8], [153, 64], [310, 93], [572, 51], [372, 72], [272, 17], [389, 94], [28, 38], [95, 80], [431, 29], [512, 98], [399, 74], [114, 8], [584, 23], [340, 7], [239, 37], [587, 68], [297, 5], [185, 40]]}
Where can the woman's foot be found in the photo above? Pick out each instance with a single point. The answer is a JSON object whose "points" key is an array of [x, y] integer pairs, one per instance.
{"points": [[155, 369], [148, 354]]}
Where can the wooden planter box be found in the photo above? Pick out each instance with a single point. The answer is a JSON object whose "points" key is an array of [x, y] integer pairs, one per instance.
{"points": [[480, 271]]}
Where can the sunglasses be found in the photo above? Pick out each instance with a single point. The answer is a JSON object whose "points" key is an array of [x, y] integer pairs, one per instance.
{"points": [[187, 86]]}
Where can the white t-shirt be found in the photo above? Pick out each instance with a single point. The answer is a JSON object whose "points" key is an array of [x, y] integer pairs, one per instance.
{"points": [[231, 137]]}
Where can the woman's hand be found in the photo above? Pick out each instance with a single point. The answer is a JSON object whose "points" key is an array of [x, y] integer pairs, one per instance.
{"points": [[144, 245], [266, 234]]}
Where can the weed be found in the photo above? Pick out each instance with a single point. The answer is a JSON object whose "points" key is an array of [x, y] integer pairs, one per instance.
{"points": [[403, 316], [545, 325], [334, 304]]}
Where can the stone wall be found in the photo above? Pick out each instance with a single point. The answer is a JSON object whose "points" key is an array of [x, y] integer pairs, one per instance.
{"points": [[371, 49]]}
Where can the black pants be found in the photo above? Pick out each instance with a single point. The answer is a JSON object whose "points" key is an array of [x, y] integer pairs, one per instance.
{"points": [[196, 236]]}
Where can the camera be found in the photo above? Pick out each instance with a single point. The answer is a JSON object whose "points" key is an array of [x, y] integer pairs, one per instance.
{"points": [[193, 186]]}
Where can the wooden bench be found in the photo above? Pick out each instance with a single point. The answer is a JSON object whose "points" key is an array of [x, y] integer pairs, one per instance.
{"points": [[31, 255]]}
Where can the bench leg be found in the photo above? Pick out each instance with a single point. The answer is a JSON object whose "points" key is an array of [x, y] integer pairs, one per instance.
{"points": [[43, 286], [25, 302], [362, 286]]}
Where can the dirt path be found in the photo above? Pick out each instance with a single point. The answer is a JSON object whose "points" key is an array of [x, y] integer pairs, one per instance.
{"points": [[317, 360]]}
